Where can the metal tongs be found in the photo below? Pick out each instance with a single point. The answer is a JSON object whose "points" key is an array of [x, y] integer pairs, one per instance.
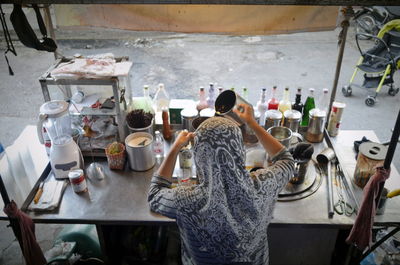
{"points": [[343, 183], [342, 206]]}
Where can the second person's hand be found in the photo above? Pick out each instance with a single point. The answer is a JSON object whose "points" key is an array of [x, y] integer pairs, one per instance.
{"points": [[183, 139]]}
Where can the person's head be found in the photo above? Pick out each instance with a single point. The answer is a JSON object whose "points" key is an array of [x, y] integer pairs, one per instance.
{"points": [[218, 145]]}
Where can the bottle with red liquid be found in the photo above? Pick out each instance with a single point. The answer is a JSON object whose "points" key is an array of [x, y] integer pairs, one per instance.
{"points": [[202, 104], [273, 103]]}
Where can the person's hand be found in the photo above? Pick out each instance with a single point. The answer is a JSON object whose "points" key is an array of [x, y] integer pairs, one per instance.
{"points": [[183, 139], [245, 113]]}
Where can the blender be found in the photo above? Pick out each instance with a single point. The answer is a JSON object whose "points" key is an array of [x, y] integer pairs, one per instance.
{"points": [[65, 154]]}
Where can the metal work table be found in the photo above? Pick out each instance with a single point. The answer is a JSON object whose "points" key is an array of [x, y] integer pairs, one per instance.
{"points": [[121, 198]]}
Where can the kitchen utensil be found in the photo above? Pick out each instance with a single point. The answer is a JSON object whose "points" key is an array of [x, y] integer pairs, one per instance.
{"points": [[54, 117], [370, 155], [273, 118], [282, 134], [65, 156], [225, 103], [342, 206], [326, 157], [38, 193], [292, 120], [348, 188], [315, 131], [139, 147], [94, 170], [188, 115]]}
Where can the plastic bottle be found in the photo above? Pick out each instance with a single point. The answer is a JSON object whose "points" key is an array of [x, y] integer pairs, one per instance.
{"points": [[220, 89], [202, 104], [273, 103], [262, 106], [323, 104], [211, 96], [245, 94], [148, 104], [285, 103], [309, 105], [297, 105], [161, 99], [158, 145]]}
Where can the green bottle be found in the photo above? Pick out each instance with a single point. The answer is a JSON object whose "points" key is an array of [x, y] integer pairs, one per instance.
{"points": [[309, 105]]}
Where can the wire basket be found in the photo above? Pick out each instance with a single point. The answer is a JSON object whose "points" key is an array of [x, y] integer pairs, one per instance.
{"points": [[116, 161]]}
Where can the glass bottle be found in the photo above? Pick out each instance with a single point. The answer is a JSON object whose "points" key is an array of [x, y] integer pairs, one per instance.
{"points": [[285, 103], [211, 96], [309, 105], [273, 103], [262, 106], [167, 133], [232, 88], [297, 105], [158, 146], [220, 89], [202, 104], [161, 99], [245, 94]]}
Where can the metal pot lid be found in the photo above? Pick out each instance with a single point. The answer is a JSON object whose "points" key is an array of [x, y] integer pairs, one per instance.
{"points": [[54, 108], [373, 150], [273, 114], [317, 113], [208, 112], [189, 113], [292, 114]]}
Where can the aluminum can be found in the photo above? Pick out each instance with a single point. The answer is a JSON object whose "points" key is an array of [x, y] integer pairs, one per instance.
{"points": [[78, 181], [335, 118]]}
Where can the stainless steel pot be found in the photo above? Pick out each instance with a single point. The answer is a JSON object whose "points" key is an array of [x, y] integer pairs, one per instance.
{"points": [[315, 131], [188, 115], [282, 134], [292, 119], [273, 118], [139, 147]]}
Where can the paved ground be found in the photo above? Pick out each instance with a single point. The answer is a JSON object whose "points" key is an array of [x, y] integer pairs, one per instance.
{"points": [[184, 62]]}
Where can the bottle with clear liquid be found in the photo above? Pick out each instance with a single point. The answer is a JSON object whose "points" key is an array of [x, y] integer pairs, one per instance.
{"points": [[220, 89], [148, 103], [273, 103], [161, 99], [211, 96], [202, 104], [308, 105], [285, 103], [323, 104], [262, 106], [158, 146], [245, 94], [297, 105]]}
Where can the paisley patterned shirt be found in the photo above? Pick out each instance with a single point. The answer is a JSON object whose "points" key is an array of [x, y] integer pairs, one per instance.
{"points": [[223, 219]]}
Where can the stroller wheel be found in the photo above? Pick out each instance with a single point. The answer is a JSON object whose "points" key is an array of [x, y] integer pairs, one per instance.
{"points": [[370, 101], [393, 91], [346, 90]]}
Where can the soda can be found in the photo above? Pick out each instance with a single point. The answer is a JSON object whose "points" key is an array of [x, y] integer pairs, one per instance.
{"points": [[78, 181]]}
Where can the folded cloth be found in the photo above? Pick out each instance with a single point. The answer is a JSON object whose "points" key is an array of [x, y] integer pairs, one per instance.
{"points": [[51, 197], [360, 234], [30, 248]]}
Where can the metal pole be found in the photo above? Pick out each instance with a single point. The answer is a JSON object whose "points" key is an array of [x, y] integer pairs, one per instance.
{"points": [[347, 12]]}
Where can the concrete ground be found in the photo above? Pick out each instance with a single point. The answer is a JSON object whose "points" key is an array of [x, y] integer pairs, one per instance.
{"points": [[184, 62]]}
